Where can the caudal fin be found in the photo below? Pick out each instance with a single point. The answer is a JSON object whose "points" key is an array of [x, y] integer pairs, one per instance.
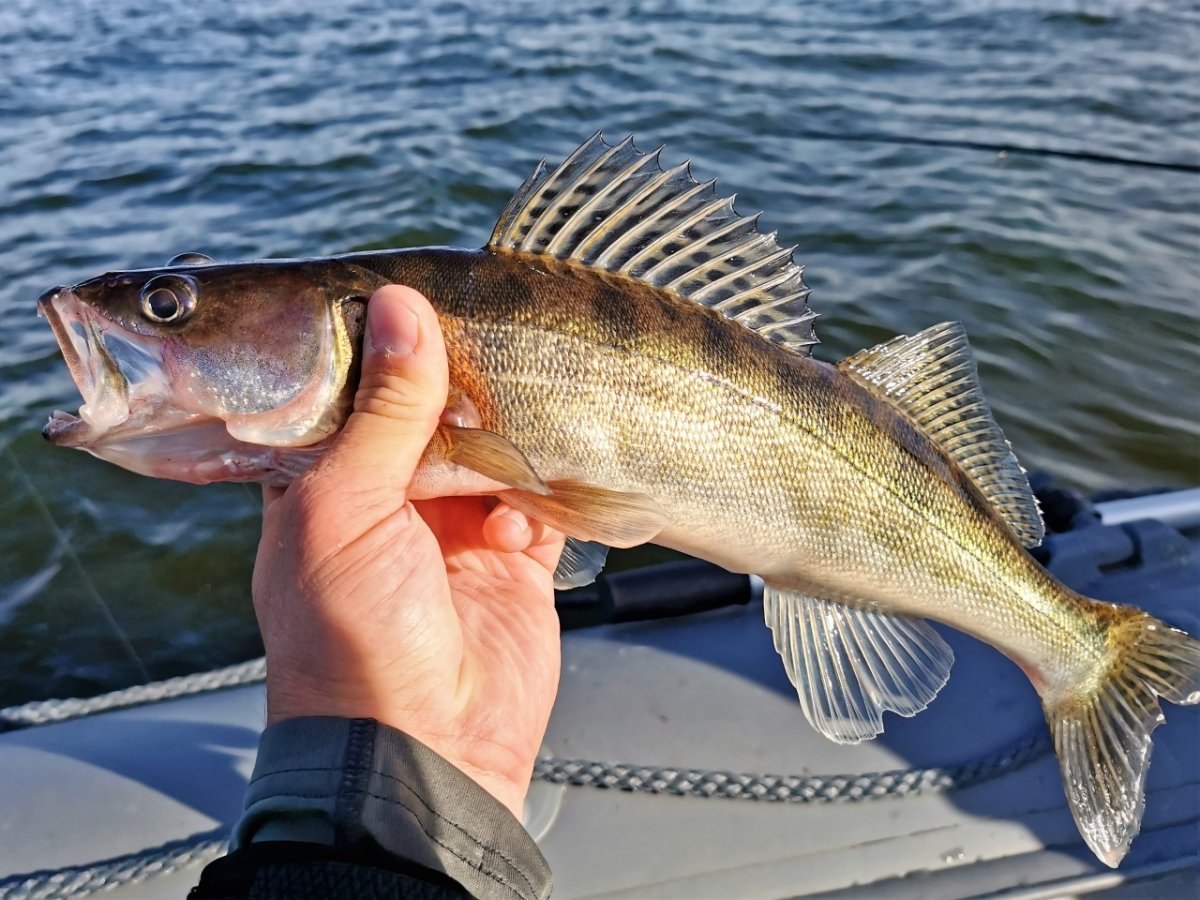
{"points": [[1102, 735]]}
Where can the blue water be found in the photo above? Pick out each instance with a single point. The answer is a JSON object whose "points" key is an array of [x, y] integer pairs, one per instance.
{"points": [[131, 131]]}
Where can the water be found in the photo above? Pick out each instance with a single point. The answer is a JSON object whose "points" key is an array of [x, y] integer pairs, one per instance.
{"points": [[134, 131]]}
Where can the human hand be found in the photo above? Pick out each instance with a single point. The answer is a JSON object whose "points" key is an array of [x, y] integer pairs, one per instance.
{"points": [[435, 617]]}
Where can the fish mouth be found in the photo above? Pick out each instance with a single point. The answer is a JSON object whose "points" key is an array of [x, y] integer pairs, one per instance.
{"points": [[97, 374], [128, 416]]}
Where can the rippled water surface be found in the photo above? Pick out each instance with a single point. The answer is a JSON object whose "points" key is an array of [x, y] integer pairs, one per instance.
{"points": [[134, 131]]}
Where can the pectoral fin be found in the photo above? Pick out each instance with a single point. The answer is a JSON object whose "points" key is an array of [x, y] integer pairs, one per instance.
{"points": [[493, 456], [592, 513], [580, 563], [850, 664]]}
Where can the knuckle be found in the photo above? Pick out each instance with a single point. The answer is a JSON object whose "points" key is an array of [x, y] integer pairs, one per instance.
{"points": [[396, 398]]}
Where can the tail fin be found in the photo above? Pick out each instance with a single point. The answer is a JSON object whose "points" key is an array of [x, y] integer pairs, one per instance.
{"points": [[1102, 734]]}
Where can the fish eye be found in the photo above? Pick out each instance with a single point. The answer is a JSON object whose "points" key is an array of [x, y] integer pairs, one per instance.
{"points": [[191, 258], [168, 299]]}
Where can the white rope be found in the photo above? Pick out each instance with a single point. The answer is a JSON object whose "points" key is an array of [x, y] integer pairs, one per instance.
{"points": [[41, 712], [791, 788], [92, 878]]}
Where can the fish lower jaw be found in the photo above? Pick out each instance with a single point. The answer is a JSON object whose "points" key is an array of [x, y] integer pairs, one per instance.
{"points": [[191, 448], [66, 430]]}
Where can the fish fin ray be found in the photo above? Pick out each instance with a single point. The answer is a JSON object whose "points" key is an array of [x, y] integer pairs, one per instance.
{"points": [[512, 227], [1103, 739], [614, 208], [931, 378], [850, 664], [580, 563], [493, 456], [591, 513]]}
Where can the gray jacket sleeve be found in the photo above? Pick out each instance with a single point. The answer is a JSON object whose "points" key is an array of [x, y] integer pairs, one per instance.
{"points": [[336, 781]]}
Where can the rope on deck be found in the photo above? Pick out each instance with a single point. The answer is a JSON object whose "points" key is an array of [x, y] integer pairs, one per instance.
{"points": [[42, 712], [92, 878], [791, 788]]}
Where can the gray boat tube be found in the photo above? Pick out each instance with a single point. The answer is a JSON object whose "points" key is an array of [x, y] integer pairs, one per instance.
{"points": [[1179, 509]]}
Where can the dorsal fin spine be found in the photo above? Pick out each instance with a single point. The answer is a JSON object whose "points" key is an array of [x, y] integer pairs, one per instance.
{"points": [[763, 285], [704, 242], [718, 234], [656, 245], [623, 239], [587, 244], [724, 280], [748, 269], [794, 320], [552, 209], [657, 215], [504, 225], [774, 304], [586, 210], [564, 187]]}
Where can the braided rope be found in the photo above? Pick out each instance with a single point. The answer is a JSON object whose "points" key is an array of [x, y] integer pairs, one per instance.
{"points": [[92, 878], [790, 788], [41, 712]]}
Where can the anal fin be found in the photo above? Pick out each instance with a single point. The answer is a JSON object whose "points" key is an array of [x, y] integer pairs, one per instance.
{"points": [[591, 513], [580, 563], [850, 664]]}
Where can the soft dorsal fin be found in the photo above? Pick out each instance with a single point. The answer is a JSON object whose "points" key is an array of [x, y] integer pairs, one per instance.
{"points": [[931, 378], [614, 208]]}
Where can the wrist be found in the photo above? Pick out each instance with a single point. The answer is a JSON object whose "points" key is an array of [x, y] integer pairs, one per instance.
{"points": [[507, 781]]}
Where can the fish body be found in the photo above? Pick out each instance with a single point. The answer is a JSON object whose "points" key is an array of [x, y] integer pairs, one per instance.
{"points": [[644, 393], [628, 363]]}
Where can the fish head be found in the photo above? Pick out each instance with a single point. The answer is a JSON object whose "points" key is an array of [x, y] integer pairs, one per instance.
{"points": [[206, 372]]}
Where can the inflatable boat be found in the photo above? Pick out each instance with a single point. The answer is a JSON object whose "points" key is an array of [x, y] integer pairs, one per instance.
{"points": [[677, 763]]}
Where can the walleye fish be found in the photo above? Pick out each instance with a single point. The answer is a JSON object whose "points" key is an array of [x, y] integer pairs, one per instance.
{"points": [[630, 362]]}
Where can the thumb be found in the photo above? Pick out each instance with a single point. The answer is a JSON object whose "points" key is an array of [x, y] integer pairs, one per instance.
{"points": [[401, 392]]}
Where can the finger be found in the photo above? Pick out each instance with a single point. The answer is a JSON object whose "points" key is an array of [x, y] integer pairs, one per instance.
{"points": [[401, 393], [546, 547], [507, 530], [270, 496]]}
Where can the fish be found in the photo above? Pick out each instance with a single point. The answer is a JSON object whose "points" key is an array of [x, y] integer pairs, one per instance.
{"points": [[631, 361]]}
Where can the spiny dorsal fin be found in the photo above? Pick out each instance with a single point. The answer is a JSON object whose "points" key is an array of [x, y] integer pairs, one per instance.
{"points": [[614, 208], [931, 377]]}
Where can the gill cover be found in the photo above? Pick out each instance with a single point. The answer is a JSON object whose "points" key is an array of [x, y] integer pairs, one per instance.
{"points": [[313, 413]]}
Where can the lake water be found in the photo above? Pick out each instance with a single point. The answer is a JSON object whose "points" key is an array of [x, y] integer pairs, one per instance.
{"points": [[134, 131]]}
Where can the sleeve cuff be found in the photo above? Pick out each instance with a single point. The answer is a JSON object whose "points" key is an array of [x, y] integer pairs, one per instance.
{"points": [[341, 782]]}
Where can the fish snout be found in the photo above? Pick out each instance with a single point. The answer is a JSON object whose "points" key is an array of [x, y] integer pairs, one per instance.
{"points": [[48, 297]]}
